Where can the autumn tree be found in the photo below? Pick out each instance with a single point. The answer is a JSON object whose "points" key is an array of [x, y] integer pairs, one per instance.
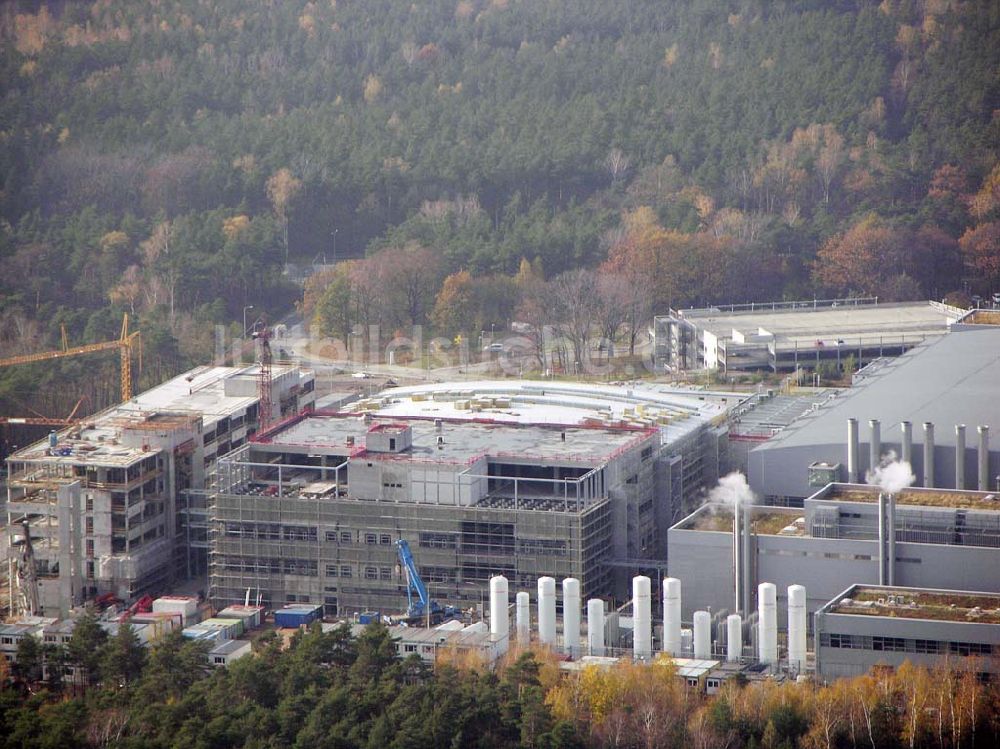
{"points": [[860, 260], [282, 187]]}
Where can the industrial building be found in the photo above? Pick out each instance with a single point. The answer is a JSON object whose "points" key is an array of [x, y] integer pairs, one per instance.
{"points": [[866, 626], [516, 478], [108, 501], [943, 539], [787, 336], [932, 407]]}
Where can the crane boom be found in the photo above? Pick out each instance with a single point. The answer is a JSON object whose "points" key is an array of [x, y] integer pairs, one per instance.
{"points": [[124, 344], [414, 583]]}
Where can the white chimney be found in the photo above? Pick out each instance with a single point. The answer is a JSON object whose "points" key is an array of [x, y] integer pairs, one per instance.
{"points": [[984, 458], [875, 445], [734, 638], [928, 453], [906, 447], [522, 608], [702, 635], [642, 632], [767, 607], [571, 616], [960, 456], [595, 626], [852, 451], [797, 628], [672, 616], [547, 611], [499, 618]]}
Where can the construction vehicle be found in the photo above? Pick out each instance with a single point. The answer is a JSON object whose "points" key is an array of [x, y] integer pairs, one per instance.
{"points": [[143, 606], [421, 609]]}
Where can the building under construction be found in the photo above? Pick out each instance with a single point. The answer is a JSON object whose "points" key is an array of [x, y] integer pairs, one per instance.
{"points": [[112, 504], [521, 479]]}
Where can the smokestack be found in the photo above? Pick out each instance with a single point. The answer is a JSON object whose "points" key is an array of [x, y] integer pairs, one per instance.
{"points": [[890, 522], [767, 639], [875, 445], [928, 453], [737, 557], [702, 635], [522, 608], [883, 542], [642, 631], [595, 626], [852, 451], [984, 458], [906, 449], [571, 616], [547, 611], [672, 616], [960, 456], [747, 566], [499, 619], [734, 638], [797, 628]]}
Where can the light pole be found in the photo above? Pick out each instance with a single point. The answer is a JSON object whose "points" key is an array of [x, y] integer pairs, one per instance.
{"points": [[334, 235], [249, 306]]}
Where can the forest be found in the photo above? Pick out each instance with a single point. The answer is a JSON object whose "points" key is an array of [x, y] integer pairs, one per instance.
{"points": [[336, 690], [475, 161]]}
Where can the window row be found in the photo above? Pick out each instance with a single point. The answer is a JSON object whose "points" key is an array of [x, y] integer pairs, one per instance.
{"points": [[904, 645]]}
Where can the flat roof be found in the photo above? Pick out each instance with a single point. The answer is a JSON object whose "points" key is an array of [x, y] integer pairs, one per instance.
{"points": [[766, 520], [914, 496], [173, 404], [676, 412], [228, 647], [804, 324], [952, 380], [462, 442], [918, 603]]}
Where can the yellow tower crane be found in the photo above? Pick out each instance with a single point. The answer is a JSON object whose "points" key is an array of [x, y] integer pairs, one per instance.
{"points": [[124, 344]]}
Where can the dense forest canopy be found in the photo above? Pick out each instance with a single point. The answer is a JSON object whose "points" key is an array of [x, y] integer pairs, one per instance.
{"points": [[335, 690], [167, 158]]}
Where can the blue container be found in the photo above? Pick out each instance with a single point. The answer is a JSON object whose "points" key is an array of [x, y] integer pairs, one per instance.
{"points": [[296, 615]]}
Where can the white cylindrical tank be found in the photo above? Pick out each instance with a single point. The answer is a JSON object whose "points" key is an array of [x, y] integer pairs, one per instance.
{"points": [[642, 633], [767, 606], [522, 617], [595, 626], [547, 611], [571, 616], [687, 642], [734, 637], [797, 628], [499, 618], [672, 616], [702, 635]]}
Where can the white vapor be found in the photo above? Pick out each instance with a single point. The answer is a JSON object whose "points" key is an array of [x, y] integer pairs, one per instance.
{"points": [[732, 490], [891, 475]]}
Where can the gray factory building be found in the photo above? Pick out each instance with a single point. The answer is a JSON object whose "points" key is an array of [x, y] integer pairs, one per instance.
{"points": [[933, 407], [787, 336], [866, 626], [943, 539], [481, 479]]}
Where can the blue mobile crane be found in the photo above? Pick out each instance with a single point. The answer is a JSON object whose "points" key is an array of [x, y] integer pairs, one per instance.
{"points": [[420, 606]]}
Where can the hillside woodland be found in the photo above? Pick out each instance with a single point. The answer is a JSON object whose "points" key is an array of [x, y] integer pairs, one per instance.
{"points": [[479, 162], [337, 691]]}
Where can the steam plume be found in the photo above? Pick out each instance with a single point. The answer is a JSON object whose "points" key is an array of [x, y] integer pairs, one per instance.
{"points": [[732, 490], [891, 475]]}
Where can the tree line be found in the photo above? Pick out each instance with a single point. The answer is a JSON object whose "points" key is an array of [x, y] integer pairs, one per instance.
{"points": [[168, 158], [339, 690]]}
